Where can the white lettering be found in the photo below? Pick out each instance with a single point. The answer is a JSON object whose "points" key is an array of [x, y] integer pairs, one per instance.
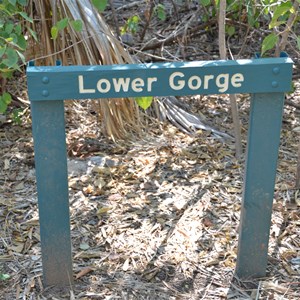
{"points": [[150, 80], [177, 81], [207, 78], [180, 83], [236, 80], [137, 85], [198, 81], [121, 83], [222, 82], [82, 90], [104, 82]]}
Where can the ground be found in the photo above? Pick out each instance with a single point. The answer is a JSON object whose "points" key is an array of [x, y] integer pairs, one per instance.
{"points": [[156, 218]]}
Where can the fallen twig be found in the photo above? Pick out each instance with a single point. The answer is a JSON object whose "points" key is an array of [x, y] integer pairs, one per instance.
{"points": [[174, 35], [291, 103]]}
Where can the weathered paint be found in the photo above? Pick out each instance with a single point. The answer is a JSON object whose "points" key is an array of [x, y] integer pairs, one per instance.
{"points": [[260, 174], [267, 79], [60, 83], [48, 128]]}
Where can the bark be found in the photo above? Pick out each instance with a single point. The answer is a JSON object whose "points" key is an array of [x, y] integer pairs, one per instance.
{"points": [[233, 102]]}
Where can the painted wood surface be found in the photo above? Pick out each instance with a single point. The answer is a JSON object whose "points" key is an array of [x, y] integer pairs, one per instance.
{"points": [[48, 128], [266, 79], [260, 173], [160, 79]]}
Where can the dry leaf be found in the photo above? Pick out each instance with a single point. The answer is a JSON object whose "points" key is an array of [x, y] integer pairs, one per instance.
{"points": [[103, 210], [89, 189], [84, 272], [126, 265], [274, 286], [89, 254], [19, 186], [17, 247], [6, 164], [99, 183], [207, 222], [84, 246]]}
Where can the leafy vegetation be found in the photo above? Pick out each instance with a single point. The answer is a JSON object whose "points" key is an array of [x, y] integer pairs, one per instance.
{"points": [[5, 100], [131, 25], [4, 276], [160, 12], [284, 15], [62, 24], [269, 14], [13, 42], [100, 4]]}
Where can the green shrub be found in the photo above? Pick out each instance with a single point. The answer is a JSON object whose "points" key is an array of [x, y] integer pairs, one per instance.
{"points": [[13, 42]]}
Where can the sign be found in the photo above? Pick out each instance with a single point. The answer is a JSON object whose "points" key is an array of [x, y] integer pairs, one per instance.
{"points": [[266, 79], [160, 79]]}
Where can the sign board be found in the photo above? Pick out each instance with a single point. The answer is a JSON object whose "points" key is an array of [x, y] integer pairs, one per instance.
{"points": [[160, 79], [266, 79]]}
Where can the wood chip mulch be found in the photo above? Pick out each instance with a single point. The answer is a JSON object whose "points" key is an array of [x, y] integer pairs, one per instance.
{"points": [[157, 219]]}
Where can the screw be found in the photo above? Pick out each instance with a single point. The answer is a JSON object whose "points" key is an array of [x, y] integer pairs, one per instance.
{"points": [[276, 70], [45, 93], [45, 79]]}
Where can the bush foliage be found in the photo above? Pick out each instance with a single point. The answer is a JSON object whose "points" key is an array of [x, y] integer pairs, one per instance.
{"points": [[13, 42]]}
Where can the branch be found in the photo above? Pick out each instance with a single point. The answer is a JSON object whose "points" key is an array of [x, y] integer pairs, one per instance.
{"points": [[291, 103], [285, 34], [172, 37], [148, 19], [233, 102], [113, 11], [222, 43]]}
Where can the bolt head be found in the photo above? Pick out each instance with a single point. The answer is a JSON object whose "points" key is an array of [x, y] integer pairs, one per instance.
{"points": [[45, 79], [276, 70], [45, 93]]}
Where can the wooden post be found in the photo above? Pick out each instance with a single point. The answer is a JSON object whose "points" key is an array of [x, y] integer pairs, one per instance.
{"points": [[48, 127], [260, 173]]}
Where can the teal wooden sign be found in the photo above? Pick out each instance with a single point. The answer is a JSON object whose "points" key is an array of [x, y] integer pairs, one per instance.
{"points": [[266, 79], [160, 79]]}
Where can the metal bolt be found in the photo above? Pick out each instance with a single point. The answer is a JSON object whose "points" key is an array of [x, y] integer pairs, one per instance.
{"points": [[45, 79], [45, 93], [276, 70], [274, 84]]}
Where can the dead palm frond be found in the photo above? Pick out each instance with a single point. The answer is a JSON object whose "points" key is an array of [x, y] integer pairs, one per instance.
{"points": [[93, 45]]}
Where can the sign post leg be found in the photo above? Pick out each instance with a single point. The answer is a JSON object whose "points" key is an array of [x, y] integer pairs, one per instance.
{"points": [[260, 173], [48, 127]]}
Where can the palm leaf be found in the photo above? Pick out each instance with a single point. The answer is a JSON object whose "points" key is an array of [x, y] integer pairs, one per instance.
{"points": [[94, 45]]}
